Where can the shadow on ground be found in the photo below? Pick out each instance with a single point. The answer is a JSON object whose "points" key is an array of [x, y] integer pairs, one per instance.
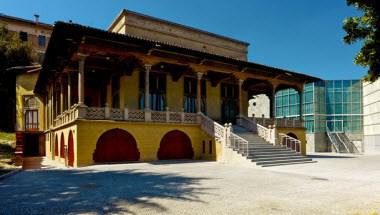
{"points": [[53, 191]]}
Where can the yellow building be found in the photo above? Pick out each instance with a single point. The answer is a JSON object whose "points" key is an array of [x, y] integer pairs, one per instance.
{"points": [[21, 103], [149, 89]]}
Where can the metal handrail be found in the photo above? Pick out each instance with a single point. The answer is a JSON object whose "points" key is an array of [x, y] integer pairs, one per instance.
{"points": [[238, 143], [291, 139], [352, 147], [343, 142], [337, 148], [332, 141]]}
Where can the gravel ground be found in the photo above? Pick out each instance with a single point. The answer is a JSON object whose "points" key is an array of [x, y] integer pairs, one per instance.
{"points": [[334, 185]]}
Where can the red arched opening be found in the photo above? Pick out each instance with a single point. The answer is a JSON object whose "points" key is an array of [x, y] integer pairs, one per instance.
{"points": [[56, 145], [116, 145], [293, 144], [62, 148], [70, 149], [175, 145]]}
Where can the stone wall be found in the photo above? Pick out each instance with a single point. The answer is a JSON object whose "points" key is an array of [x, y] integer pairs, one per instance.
{"points": [[371, 117], [142, 26]]}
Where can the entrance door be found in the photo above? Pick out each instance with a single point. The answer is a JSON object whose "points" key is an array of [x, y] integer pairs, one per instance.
{"points": [[230, 107], [116, 145], [175, 145], [31, 144]]}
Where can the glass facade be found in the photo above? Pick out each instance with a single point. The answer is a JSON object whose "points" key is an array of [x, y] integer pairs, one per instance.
{"points": [[334, 105]]}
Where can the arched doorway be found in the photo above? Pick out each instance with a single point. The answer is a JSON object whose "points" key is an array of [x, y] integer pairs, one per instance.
{"points": [[70, 149], [175, 145], [116, 145], [56, 145], [62, 146], [294, 146]]}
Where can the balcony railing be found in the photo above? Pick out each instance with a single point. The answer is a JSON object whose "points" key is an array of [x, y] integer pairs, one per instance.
{"points": [[105, 113], [279, 122]]}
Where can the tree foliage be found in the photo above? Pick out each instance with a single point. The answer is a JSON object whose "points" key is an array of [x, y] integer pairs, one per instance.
{"points": [[13, 52], [365, 28]]}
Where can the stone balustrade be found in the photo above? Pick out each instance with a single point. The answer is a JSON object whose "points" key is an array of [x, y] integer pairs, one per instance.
{"points": [[106, 113], [279, 122]]}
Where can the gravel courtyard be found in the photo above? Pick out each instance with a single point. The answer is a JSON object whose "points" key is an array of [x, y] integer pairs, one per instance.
{"points": [[334, 185]]}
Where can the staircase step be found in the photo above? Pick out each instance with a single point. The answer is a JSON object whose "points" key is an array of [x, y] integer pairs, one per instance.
{"points": [[276, 158], [272, 154], [253, 156], [267, 146], [289, 163], [269, 150], [265, 154], [276, 162]]}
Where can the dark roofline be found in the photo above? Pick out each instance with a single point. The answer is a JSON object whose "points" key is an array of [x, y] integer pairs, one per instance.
{"points": [[77, 32], [13, 18], [124, 11]]}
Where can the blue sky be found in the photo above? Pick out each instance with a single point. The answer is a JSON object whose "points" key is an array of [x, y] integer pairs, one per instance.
{"points": [[298, 35]]}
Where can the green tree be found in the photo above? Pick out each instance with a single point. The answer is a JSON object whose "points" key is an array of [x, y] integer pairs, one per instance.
{"points": [[13, 52], [365, 28]]}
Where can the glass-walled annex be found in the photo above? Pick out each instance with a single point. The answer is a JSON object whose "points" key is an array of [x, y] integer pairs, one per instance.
{"points": [[334, 105]]}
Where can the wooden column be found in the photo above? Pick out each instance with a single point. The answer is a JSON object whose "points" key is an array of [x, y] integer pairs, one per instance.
{"points": [[81, 94], [61, 95], [301, 101], [272, 99], [241, 97], [52, 104], [68, 91], [199, 95], [147, 100]]}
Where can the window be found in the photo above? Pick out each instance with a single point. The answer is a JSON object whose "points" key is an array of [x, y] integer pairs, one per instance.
{"points": [[115, 91], [30, 102], [157, 88], [203, 147], [31, 120], [23, 36], [190, 94], [41, 40]]}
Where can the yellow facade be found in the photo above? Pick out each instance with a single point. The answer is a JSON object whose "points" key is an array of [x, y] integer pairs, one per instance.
{"points": [[24, 87], [147, 135], [299, 132], [213, 101]]}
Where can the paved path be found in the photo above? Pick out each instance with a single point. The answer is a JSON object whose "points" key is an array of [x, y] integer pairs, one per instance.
{"points": [[334, 185]]}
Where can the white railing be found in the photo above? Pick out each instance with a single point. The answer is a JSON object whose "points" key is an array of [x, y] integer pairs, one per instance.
{"points": [[105, 113], [290, 142], [263, 132], [67, 116], [95, 113], [212, 128], [279, 122], [137, 115], [332, 141], [238, 143]]}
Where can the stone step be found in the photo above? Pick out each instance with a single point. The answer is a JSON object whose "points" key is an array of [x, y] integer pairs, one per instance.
{"points": [[289, 163], [274, 155], [278, 158], [283, 161], [270, 149], [261, 146]]}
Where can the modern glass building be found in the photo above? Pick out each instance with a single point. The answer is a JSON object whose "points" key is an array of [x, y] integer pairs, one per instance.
{"points": [[328, 106]]}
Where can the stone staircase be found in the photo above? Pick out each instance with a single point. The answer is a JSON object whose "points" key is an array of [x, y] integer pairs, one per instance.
{"points": [[265, 154]]}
